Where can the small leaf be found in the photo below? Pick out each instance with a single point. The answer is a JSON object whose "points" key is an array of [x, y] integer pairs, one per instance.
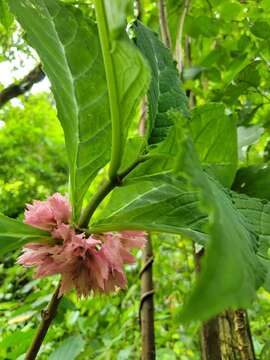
{"points": [[261, 29], [254, 181], [69, 348], [246, 137]]}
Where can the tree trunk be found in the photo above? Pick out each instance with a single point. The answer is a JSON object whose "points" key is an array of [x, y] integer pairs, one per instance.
{"points": [[226, 336]]}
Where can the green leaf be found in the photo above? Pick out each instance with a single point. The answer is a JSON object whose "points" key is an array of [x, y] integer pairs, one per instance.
{"points": [[165, 92], [201, 26], [153, 203], [254, 181], [261, 29], [59, 33], [6, 17], [231, 271], [14, 234], [215, 137], [69, 349], [248, 78], [246, 137]]}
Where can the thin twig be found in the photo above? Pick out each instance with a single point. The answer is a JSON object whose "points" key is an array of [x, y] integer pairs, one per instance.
{"points": [[179, 37], [146, 309], [165, 32], [47, 317], [22, 86], [192, 99], [139, 9]]}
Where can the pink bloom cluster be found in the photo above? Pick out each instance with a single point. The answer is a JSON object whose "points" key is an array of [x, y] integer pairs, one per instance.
{"points": [[86, 263]]}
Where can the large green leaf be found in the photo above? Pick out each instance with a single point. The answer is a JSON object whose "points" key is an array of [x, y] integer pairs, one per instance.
{"points": [[79, 83], [231, 271], [153, 203], [165, 92], [14, 234], [215, 137], [69, 48]]}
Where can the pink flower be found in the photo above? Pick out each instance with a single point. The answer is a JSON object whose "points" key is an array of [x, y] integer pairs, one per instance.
{"points": [[46, 215], [88, 264]]}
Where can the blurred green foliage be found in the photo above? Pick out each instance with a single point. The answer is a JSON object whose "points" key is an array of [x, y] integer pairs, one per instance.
{"points": [[32, 155]]}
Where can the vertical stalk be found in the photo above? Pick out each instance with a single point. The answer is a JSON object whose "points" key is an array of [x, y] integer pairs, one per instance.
{"points": [[179, 37], [106, 47], [147, 304], [139, 9], [146, 311], [165, 32]]}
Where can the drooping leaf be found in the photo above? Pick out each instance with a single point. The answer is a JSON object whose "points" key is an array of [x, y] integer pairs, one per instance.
{"points": [[215, 137], [14, 234], [165, 92], [69, 349], [69, 48], [231, 271]]}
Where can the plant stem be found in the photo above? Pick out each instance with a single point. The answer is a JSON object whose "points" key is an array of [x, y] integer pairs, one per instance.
{"points": [[47, 317], [139, 9], [165, 33], [34, 76], [146, 311], [104, 190], [106, 47], [179, 37]]}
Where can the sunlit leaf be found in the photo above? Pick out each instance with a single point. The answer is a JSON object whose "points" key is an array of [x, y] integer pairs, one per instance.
{"points": [[59, 33]]}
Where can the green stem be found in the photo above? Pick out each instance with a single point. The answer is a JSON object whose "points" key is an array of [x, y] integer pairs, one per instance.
{"points": [[106, 46], [104, 190]]}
